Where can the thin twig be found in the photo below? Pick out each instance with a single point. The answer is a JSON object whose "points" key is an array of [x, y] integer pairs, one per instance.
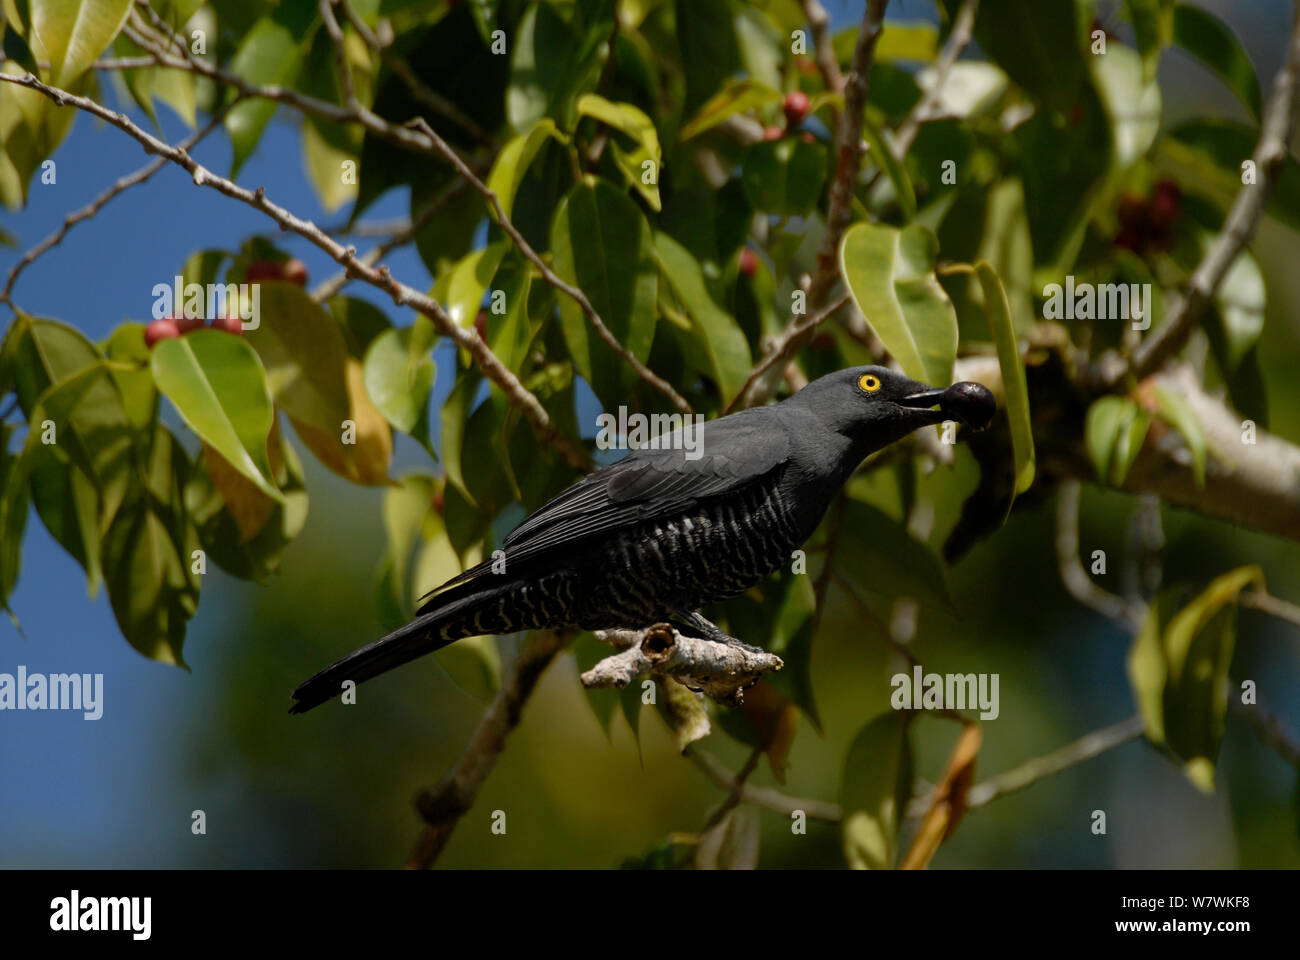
{"points": [[380, 277], [418, 88], [819, 22], [1269, 158], [341, 67], [92, 208], [1267, 603], [443, 806], [780, 352], [549, 275], [1270, 729], [1028, 773], [958, 39], [848, 144], [1081, 586], [765, 797]]}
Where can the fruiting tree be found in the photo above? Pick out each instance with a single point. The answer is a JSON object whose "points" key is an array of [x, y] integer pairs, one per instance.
{"points": [[689, 207]]}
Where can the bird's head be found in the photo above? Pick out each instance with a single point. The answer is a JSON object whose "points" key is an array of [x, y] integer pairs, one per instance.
{"points": [[877, 406]]}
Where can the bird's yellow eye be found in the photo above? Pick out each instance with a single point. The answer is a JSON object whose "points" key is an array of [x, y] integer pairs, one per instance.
{"points": [[869, 382]]}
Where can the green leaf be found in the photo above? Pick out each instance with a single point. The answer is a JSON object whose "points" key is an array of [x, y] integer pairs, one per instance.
{"points": [[511, 336], [207, 493], [1113, 432], [723, 340], [880, 154], [1128, 444], [734, 98], [1174, 409], [908, 41], [1211, 151], [891, 276], [461, 288], [602, 245], [404, 510], [68, 505], [57, 404], [1241, 299], [1212, 42], [874, 791], [1178, 666], [218, 386], [625, 118], [304, 354], [153, 586], [785, 176], [325, 166], [399, 383], [550, 65], [515, 158], [1037, 44], [95, 435], [1131, 101], [269, 53], [1150, 32], [71, 34], [13, 514], [998, 312], [878, 555]]}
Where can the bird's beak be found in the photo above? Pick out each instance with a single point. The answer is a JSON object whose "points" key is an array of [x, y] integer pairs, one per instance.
{"points": [[921, 404], [971, 403]]}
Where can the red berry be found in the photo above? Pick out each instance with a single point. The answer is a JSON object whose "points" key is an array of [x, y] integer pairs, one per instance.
{"points": [[1129, 238], [773, 133], [748, 262], [186, 324], [795, 107], [481, 324], [229, 325], [164, 329], [260, 270], [1165, 205], [295, 271], [1132, 212]]}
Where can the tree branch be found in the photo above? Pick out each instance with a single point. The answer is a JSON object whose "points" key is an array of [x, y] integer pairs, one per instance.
{"points": [[1081, 586], [379, 277], [1270, 156], [958, 39], [781, 352], [848, 144], [1028, 773], [764, 797], [721, 671], [443, 806], [85, 213]]}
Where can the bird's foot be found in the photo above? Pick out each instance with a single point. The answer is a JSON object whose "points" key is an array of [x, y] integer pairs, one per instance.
{"points": [[696, 624]]}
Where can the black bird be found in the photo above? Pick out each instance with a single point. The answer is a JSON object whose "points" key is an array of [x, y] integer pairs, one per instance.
{"points": [[657, 535]]}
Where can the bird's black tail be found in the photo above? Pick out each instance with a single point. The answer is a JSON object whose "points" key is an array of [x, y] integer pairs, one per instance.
{"points": [[422, 635]]}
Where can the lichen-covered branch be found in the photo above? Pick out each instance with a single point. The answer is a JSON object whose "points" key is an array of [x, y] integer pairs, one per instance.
{"points": [[721, 671]]}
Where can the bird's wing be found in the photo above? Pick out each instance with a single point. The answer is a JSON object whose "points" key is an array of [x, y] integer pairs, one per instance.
{"points": [[648, 484]]}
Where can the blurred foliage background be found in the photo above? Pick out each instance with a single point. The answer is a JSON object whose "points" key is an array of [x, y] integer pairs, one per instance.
{"points": [[583, 782]]}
